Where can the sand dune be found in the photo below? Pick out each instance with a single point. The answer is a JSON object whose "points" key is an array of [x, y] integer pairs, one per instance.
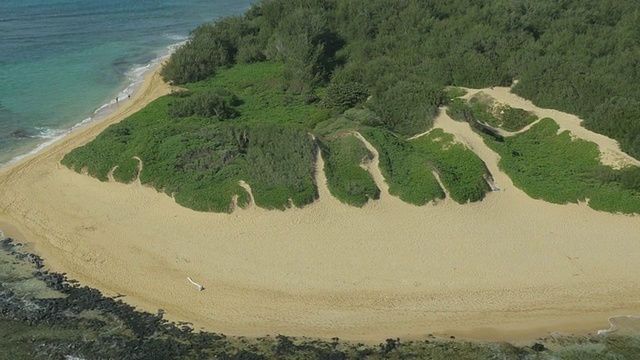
{"points": [[508, 267], [609, 148]]}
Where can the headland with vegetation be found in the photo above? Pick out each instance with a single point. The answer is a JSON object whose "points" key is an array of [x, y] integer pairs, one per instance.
{"points": [[261, 92], [293, 99]]}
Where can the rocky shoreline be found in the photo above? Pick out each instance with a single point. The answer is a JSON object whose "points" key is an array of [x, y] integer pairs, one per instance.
{"points": [[45, 315]]}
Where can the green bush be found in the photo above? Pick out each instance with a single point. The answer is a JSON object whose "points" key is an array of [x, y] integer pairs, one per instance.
{"points": [[556, 168], [513, 119], [459, 110], [461, 171], [618, 117], [214, 103], [342, 96], [346, 179], [453, 92], [408, 108], [577, 57], [406, 171], [281, 166], [200, 162], [364, 117], [211, 46], [484, 111], [531, 160]]}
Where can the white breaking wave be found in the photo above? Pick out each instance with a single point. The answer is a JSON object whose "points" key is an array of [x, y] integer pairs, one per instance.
{"points": [[176, 37], [47, 133]]}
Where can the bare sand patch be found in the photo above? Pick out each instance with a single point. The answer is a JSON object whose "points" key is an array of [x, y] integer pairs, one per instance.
{"points": [[609, 148], [509, 267]]}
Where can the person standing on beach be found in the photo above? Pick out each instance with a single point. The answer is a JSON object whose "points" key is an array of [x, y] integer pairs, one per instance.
{"points": [[116, 99]]}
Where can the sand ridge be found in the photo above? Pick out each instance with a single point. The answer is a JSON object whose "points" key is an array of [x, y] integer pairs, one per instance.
{"points": [[508, 267]]}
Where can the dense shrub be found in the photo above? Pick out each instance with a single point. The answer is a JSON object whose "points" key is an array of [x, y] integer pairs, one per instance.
{"points": [[210, 47], [281, 166], [460, 169], [347, 180], [532, 161], [576, 56], [388, 63], [342, 96], [618, 117], [216, 103], [406, 171], [408, 108], [200, 162]]}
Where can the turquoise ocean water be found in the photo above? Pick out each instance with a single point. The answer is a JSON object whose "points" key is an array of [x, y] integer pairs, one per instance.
{"points": [[63, 62]]}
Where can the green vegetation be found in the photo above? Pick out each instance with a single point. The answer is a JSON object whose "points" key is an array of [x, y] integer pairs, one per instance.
{"points": [[453, 92], [259, 86], [576, 56], [481, 108], [209, 48], [245, 124], [407, 165], [406, 171], [555, 168], [218, 103], [459, 109], [460, 170], [281, 166], [532, 161], [513, 119], [619, 118], [200, 160], [346, 179], [343, 96]]}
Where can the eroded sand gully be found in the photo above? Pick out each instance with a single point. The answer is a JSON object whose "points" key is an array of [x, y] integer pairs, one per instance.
{"points": [[509, 267]]}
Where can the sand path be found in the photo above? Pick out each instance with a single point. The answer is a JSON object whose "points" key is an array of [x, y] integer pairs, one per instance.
{"points": [[508, 267], [609, 148], [373, 168]]}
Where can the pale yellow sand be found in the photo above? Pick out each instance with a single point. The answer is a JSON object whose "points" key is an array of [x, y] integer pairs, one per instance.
{"points": [[509, 267]]}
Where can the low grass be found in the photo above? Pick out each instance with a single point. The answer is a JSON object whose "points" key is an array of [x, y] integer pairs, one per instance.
{"points": [[407, 166], [407, 171], [513, 119], [556, 168], [484, 110], [461, 171], [200, 160], [453, 92], [347, 180]]}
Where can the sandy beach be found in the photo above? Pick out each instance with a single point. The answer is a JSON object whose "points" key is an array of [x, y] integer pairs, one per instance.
{"points": [[508, 268]]}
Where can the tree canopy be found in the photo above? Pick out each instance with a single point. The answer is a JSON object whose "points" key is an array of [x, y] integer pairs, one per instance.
{"points": [[266, 89], [579, 56]]}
